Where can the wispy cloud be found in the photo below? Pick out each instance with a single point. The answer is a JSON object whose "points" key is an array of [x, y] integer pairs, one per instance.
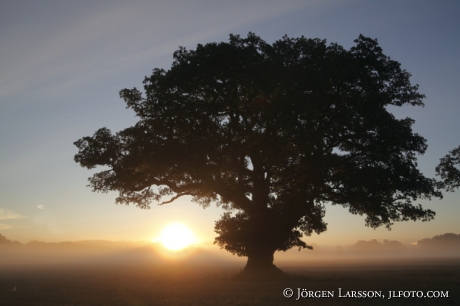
{"points": [[8, 214], [41, 206], [122, 37]]}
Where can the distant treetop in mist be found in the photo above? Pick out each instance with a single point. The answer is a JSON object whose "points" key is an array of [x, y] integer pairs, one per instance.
{"points": [[374, 245], [4, 241], [448, 240]]}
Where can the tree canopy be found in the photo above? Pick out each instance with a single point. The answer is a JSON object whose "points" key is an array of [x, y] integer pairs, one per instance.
{"points": [[271, 133], [449, 170]]}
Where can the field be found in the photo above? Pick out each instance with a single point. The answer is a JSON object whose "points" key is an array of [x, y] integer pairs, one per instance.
{"points": [[179, 284]]}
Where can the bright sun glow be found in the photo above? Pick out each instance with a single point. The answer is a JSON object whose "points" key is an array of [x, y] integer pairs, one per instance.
{"points": [[176, 236]]}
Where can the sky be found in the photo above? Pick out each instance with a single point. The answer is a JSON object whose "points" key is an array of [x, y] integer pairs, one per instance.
{"points": [[62, 64]]}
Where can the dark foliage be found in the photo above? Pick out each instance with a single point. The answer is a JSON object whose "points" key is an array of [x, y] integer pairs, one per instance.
{"points": [[449, 170], [272, 133]]}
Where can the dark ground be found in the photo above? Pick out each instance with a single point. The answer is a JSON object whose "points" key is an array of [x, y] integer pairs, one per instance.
{"points": [[150, 284]]}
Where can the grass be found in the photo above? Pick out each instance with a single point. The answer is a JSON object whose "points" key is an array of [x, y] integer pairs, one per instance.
{"points": [[175, 284]]}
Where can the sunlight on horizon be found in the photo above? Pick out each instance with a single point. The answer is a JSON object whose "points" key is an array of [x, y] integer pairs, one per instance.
{"points": [[176, 237]]}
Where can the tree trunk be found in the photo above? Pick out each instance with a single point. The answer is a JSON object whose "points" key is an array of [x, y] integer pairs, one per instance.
{"points": [[261, 247], [260, 259], [260, 265]]}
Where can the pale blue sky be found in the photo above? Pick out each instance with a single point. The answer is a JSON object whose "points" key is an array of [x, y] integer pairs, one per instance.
{"points": [[62, 64]]}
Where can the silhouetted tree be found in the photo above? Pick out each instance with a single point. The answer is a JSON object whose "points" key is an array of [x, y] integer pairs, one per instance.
{"points": [[271, 133], [449, 170], [440, 242], [6, 242]]}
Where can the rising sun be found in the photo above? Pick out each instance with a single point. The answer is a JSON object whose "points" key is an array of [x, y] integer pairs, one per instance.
{"points": [[176, 236]]}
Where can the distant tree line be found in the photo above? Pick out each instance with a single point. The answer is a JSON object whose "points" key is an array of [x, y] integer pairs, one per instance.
{"points": [[444, 241]]}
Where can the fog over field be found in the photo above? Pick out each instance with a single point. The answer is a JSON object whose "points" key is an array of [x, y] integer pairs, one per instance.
{"points": [[99, 272], [137, 273], [126, 252]]}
